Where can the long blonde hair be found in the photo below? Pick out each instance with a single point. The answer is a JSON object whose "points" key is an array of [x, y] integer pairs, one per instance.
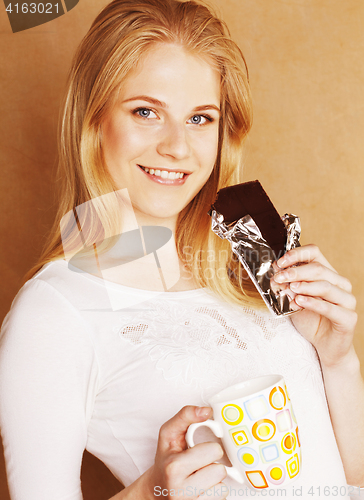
{"points": [[118, 38]]}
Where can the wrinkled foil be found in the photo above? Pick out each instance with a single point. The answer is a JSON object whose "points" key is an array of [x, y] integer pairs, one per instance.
{"points": [[258, 258]]}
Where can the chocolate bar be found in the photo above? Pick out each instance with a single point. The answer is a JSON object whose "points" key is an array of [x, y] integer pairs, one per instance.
{"points": [[249, 198], [245, 216]]}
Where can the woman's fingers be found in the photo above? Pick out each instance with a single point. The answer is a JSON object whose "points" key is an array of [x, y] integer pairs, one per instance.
{"points": [[340, 317], [328, 319], [177, 467], [195, 458], [194, 469], [313, 271], [207, 477], [306, 253], [172, 433], [326, 291]]}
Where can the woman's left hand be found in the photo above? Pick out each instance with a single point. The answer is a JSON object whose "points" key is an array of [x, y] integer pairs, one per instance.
{"points": [[328, 318]]}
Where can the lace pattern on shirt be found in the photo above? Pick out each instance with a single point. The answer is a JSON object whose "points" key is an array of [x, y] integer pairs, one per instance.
{"points": [[214, 345]]}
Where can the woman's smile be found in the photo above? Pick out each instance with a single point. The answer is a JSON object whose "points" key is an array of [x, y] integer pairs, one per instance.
{"points": [[164, 176], [160, 140]]}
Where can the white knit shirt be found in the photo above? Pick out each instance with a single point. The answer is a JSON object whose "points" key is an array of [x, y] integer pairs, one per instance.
{"points": [[76, 373]]}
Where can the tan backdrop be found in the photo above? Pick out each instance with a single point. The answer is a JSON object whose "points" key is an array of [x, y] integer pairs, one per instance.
{"points": [[305, 61]]}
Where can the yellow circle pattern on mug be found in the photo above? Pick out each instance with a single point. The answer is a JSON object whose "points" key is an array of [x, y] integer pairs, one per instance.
{"points": [[232, 414], [248, 457], [276, 474], [267, 418], [264, 429]]}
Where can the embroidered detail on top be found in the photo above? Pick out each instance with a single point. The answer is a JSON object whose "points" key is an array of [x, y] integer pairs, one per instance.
{"points": [[212, 346], [229, 330], [135, 333]]}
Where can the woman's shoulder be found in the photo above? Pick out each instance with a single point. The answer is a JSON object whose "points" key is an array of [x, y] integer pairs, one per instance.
{"points": [[61, 277], [44, 287], [65, 286], [46, 304]]}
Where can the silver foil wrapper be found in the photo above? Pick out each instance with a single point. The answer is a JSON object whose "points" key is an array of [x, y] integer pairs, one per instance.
{"points": [[258, 258]]}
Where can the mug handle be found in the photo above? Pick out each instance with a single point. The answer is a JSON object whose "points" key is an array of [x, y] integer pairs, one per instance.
{"points": [[217, 430]]}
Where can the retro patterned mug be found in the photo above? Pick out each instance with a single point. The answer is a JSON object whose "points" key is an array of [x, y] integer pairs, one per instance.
{"points": [[259, 431]]}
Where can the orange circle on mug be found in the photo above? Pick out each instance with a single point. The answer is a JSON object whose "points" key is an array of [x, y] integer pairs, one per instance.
{"points": [[289, 443], [277, 398], [264, 429]]}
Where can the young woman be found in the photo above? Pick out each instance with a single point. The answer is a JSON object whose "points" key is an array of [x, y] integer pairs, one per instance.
{"points": [[117, 350]]}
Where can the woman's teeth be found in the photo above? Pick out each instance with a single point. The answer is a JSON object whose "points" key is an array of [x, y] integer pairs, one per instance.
{"points": [[163, 173]]}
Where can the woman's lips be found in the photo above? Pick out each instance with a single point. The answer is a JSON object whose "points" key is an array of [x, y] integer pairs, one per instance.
{"points": [[165, 181]]}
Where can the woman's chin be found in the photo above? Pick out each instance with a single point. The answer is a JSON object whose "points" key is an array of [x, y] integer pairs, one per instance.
{"points": [[160, 216]]}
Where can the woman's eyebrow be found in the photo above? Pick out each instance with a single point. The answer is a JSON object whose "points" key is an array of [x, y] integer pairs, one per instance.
{"points": [[206, 107], [152, 100], [161, 104]]}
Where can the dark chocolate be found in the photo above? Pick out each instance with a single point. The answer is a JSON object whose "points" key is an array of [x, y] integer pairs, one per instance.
{"points": [[249, 198]]}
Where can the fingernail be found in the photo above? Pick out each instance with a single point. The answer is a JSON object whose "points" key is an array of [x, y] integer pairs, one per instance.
{"points": [[282, 262], [295, 285], [203, 411], [279, 278], [300, 299]]}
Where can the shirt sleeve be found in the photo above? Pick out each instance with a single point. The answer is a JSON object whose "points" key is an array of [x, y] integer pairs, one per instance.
{"points": [[48, 382]]}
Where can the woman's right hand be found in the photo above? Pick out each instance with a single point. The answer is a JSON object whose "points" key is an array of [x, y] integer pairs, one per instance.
{"points": [[179, 471]]}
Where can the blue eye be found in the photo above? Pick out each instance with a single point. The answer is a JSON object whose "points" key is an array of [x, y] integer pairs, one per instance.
{"points": [[144, 113], [196, 119], [200, 119]]}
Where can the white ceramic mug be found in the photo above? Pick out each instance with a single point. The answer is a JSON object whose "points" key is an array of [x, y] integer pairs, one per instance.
{"points": [[259, 431]]}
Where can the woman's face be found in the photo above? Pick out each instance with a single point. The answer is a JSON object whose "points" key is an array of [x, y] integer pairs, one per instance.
{"points": [[160, 140]]}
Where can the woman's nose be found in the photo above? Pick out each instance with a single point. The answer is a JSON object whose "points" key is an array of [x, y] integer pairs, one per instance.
{"points": [[175, 142]]}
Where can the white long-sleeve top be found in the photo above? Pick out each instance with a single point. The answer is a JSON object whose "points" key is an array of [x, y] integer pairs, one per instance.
{"points": [[84, 365]]}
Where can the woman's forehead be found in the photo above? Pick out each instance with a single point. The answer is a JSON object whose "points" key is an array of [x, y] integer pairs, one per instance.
{"points": [[173, 72]]}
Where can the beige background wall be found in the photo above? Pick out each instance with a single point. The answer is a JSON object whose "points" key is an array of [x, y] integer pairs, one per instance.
{"points": [[306, 68]]}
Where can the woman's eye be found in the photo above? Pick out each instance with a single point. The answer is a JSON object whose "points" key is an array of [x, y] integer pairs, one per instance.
{"points": [[199, 119], [145, 113]]}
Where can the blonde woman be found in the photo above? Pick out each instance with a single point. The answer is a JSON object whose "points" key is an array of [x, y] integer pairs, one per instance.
{"points": [[116, 353]]}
